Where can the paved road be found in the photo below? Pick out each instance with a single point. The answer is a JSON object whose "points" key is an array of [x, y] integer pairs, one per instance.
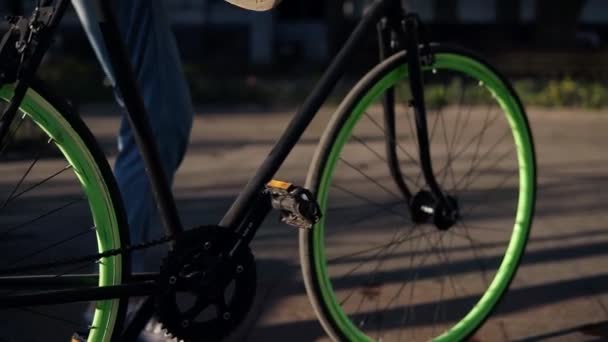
{"points": [[564, 276]]}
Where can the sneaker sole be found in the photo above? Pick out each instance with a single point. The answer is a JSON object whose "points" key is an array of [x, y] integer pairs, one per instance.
{"points": [[256, 5]]}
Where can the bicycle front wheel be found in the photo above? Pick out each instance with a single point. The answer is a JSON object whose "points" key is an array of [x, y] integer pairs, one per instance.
{"points": [[375, 270], [59, 202]]}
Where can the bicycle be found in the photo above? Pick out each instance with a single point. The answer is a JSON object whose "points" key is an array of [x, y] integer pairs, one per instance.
{"points": [[407, 97]]}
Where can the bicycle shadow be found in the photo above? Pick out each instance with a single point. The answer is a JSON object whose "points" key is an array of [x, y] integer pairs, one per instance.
{"points": [[516, 300], [596, 331]]}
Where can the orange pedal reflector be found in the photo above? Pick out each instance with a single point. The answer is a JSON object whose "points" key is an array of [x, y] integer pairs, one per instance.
{"points": [[277, 184]]}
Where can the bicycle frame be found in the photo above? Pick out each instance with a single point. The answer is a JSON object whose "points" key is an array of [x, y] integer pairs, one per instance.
{"points": [[396, 30]]}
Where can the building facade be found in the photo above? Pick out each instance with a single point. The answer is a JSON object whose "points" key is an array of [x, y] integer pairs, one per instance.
{"points": [[312, 30]]}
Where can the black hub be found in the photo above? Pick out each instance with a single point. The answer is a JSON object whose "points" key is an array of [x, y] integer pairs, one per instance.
{"points": [[426, 209], [204, 295]]}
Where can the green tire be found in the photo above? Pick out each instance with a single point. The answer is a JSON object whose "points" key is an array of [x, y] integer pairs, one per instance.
{"points": [[319, 284], [80, 150]]}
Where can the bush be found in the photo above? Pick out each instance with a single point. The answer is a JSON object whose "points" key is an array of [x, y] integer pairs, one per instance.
{"points": [[82, 82], [566, 92]]}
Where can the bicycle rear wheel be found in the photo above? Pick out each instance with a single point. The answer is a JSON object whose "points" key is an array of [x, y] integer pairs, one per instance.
{"points": [[58, 201], [370, 271]]}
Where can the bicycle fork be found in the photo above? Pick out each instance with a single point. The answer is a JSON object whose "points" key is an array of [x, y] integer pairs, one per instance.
{"points": [[402, 32]]}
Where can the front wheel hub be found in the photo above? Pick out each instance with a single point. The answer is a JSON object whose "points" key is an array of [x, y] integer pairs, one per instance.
{"points": [[445, 218], [425, 209]]}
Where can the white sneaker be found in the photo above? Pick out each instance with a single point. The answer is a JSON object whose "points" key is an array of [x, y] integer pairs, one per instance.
{"points": [[256, 5], [152, 332]]}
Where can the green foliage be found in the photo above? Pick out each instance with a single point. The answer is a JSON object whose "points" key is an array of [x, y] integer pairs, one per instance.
{"points": [[75, 80], [82, 82], [454, 92], [553, 93], [565, 92]]}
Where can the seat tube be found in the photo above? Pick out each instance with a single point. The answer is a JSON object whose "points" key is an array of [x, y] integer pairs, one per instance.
{"points": [[138, 118]]}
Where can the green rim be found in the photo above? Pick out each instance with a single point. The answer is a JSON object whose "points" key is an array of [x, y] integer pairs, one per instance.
{"points": [[525, 156], [98, 195]]}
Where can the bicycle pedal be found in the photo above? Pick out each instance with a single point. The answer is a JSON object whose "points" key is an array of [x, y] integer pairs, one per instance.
{"points": [[297, 205]]}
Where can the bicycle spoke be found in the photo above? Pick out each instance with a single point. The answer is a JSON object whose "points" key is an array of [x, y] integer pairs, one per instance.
{"points": [[369, 178], [414, 138], [491, 229], [479, 140], [20, 182], [30, 255], [438, 114], [14, 197], [500, 159], [439, 250], [4, 235], [458, 115], [476, 253], [466, 146], [11, 135], [377, 154], [412, 312], [371, 249], [408, 115], [448, 165], [487, 153], [363, 218], [375, 257], [457, 135], [393, 141], [384, 208], [59, 275], [362, 322], [75, 324], [406, 308], [449, 266], [484, 200], [54, 317]]}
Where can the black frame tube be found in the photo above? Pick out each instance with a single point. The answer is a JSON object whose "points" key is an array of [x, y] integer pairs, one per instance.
{"points": [[303, 117], [138, 118], [417, 91], [45, 282], [29, 69], [78, 295], [385, 41]]}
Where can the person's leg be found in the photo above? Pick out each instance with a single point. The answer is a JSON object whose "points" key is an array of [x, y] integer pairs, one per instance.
{"points": [[151, 46]]}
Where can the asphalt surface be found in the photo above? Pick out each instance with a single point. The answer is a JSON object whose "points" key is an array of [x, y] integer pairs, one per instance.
{"points": [[560, 287]]}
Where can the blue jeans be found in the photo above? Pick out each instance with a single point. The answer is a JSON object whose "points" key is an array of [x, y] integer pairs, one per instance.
{"points": [[146, 31]]}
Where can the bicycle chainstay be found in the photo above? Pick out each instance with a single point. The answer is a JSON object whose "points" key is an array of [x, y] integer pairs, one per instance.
{"points": [[93, 257], [296, 204]]}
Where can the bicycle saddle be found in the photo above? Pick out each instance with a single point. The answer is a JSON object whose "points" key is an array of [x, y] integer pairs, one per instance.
{"points": [[256, 5]]}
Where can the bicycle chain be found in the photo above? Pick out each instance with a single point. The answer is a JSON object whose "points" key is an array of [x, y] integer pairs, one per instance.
{"points": [[92, 257]]}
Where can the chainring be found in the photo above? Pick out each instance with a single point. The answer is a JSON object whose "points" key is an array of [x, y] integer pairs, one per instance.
{"points": [[203, 295]]}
